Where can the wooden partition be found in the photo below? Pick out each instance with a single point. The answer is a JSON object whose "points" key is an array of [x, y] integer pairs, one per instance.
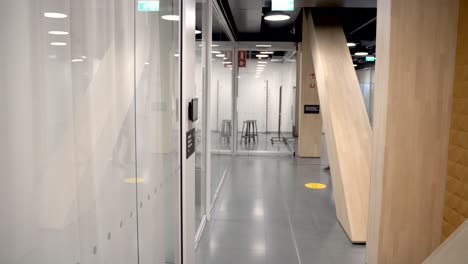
{"points": [[413, 90], [456, 191], [310, 124], [347, 128]]}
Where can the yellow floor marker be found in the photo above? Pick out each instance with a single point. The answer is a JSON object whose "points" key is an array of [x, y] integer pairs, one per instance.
{"points": [[315, 185]]}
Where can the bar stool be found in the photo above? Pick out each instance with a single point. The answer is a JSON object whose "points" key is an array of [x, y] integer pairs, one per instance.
{"points": [[249, 130], [226, 127]]}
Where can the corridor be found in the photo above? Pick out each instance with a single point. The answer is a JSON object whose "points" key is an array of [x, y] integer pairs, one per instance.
{"points": [[264, 214]]}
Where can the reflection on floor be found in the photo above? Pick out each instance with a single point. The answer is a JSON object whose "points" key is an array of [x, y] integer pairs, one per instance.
{"points": [[265, 215], [263, 143]]}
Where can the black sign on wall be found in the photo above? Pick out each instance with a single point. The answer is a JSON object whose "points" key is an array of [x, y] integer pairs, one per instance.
{"points": [[190, 141], [311, 109]]}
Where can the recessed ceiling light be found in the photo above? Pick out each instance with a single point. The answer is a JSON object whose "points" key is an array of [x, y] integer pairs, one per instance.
{"points": [[56, 32], [266, 52], [263, 46], [220, 55], [214, 45], [146, 63], [197, 31], [170, 17], [54, 15], [225, 58], [262, 62], [215, 51], [77, 60], [277, 16], [361, 53], [355, 65], [58, 43], [176, 55], [227, 62], [261, 66], [262, 56], [351, 44]]}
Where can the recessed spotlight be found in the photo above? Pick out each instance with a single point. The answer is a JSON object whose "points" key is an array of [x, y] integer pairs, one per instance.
{"points": [[220, 55], [351, 44], [277, 16], [214, 45], [225, 58], [227, 62], [263, 46], [58, 43], [262, 62], [146, 63], [261, 66], [197, 31], [262, 56], [83, 57], [54, 15], [266, 52], [355, 65], [77, 60], [56, 32], [361, 53], [176, 55], [215, 52], [170, 17]]}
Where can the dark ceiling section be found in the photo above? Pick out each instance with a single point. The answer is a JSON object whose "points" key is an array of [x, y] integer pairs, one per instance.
{"points": [[359, 22], [359, 26]]}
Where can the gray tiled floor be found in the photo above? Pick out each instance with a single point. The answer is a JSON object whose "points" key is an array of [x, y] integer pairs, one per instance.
{"points": [[265, 215], [262, 143]]}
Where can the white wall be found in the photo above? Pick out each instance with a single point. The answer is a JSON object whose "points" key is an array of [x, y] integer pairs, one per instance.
{"points": [[366, 82], [252, 98]]}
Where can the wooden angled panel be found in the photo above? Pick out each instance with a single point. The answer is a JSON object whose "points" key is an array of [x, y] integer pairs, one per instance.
{"points": [[413, 98], [346, 124]]}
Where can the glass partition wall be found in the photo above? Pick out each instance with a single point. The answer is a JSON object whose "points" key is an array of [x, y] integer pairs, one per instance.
{"points": [[265, 102], [221, 94], [201, 35], [90, 132]]}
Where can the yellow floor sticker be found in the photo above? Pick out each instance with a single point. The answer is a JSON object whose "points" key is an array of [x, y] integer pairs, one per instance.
{"points": [[315, 185]]}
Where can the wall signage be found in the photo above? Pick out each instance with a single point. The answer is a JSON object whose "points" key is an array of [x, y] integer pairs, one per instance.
{"points": [[282, 5], [242, 58], [370, 58], [190, 142], [311, 109], [148, 6]]}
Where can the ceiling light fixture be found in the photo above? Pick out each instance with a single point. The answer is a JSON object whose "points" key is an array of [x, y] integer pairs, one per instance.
{"points": [[220, 55], [176, 55], [361, 53], [170, 17], [56, 32], [197, 31], [215, 52], [263, 46], [77, 60], [277, 16], [58, 43], [262, 62], [351, 44], [227, 62], [355, 65], [262, 56], [54, 15], [266, 52]]}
